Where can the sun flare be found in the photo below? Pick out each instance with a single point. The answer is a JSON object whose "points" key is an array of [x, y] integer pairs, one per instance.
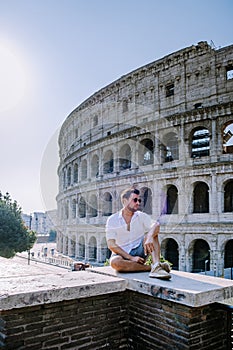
{"points": [[13, 78]]}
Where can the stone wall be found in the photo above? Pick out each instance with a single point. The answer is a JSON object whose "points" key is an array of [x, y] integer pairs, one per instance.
{"points": [[162, 129], [126, 320]]}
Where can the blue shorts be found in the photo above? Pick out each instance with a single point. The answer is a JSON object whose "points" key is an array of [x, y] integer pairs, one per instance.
{"points": [[138, 251]]}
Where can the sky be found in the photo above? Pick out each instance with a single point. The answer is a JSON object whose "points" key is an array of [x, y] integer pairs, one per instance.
{"points": [[54, 54]]}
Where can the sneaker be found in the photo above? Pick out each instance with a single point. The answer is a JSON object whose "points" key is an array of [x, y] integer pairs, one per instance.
{"points": [[159, 272], [165, 266]]}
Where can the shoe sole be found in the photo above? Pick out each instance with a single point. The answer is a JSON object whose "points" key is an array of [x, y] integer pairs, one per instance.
{"points": [[161, 277]]}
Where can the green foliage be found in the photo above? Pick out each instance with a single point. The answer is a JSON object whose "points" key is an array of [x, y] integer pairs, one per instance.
{"points": [[14, 235], [149, 260], [106, 263]]}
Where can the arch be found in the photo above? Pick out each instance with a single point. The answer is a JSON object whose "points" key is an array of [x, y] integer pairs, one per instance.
{"points": [[82, 208], [170, 251], [200, 255], [107, 204], [105, 253], [75, 173], [69, 176], [201, 198], [227, 137], [146, 152], [108, 162], [172, 200], [170, 147], [72, 247], [228, 254], [125, 157], [95, 166], [92, 248], [200, 142], [146, 197], [74, 204], [93, 206], [81, 247], [84, 169], [228, 196]]}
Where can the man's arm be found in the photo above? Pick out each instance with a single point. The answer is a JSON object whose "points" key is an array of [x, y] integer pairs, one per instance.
{"points": [[118, 250]]}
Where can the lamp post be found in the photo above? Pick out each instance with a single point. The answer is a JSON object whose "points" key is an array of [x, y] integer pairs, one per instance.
{"points": [[30, 227]]}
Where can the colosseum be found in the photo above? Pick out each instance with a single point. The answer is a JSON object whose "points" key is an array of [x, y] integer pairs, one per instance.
{"points": [[165, 128]]}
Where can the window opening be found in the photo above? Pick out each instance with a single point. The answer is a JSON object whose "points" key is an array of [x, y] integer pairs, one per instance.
{"points": [[228, 139], [172, 200], [200, 143], [201, 198], [228, 197], [169, 90], [229, 72]]}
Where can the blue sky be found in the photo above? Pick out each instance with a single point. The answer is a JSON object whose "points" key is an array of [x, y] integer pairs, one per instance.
{"points": [[56, 53]]}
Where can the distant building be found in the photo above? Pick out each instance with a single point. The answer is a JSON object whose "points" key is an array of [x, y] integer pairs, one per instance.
{"points": [[41, 222], [166, 129]]}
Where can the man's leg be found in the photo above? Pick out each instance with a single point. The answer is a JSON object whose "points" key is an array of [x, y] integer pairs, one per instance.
{"points": [[158, 270], [122, 265]]}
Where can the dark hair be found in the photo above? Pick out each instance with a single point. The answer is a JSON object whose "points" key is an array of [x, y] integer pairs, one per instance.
{"points": [[127, 193]]}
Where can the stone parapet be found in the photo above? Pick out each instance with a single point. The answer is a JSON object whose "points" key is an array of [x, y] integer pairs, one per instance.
{"points": [[46, 307]]}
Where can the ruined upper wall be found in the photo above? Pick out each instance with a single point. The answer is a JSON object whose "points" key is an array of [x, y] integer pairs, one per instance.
{"points": [[190, 78]]}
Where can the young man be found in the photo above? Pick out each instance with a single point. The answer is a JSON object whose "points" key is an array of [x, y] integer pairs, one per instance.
{"points": [[132, 236]]}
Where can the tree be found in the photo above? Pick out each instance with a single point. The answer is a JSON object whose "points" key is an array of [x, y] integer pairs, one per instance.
{"points": [[14, 235]]}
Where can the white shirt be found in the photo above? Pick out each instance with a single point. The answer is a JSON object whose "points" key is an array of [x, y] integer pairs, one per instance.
{"points": [[116, 228]]}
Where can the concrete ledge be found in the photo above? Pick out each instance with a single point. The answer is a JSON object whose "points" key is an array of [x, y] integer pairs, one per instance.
{"points": [[28, 285], [22, 285], [185, 288]]}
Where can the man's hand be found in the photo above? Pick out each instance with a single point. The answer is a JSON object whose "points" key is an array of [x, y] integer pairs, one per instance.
{"points": [[137, 259]]}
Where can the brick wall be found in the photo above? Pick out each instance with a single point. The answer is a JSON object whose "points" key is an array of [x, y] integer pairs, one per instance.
{"points": [[85, 324], [160, 324], [126, 320]]}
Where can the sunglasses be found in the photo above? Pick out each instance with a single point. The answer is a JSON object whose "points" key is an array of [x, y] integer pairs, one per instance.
{"points": [[137, 200]]}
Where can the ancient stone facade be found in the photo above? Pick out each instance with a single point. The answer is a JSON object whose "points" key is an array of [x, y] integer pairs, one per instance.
{"points": [[165, 128]]}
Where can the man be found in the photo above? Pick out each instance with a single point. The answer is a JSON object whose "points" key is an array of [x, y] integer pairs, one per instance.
{"points": [[132, 236]]}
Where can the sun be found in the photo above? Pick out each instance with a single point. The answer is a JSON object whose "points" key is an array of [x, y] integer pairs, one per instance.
{"points": [[12, 78]]}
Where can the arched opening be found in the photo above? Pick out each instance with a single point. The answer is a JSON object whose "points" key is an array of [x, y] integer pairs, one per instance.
{"points": [[93, 206], [72, 247], [108, 162], [69, 177], [105, 253], [146, 197], [228, 254], [146, 152], [200, 144], [84, 170], [81, 247], [95, 166], [125, 157], [92, 248], [171, 252], [201, 256], [228, 197], [227, 137], [107, 204], [74, 204], [75, 173], [82, 208], [201, 198], [172, 200], [170, 147]]}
